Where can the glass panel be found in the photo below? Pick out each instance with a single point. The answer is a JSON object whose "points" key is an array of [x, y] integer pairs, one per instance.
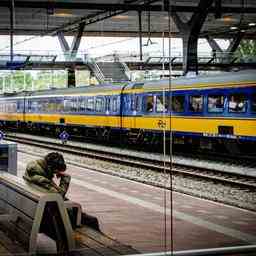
{"points": [[134, 102], [237, 103], [196, 103], [99, 105], [161, 103], [113, 102], [253, 103], [90, 104], [178, 103], [215, 103], [149, 103]]}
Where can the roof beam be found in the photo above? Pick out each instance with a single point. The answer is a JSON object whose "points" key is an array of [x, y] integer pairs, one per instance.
{"points": [[124, 7], [92, 18]]}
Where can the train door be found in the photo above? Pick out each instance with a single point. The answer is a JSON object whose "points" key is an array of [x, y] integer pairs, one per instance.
{"points": [[134, 107]]}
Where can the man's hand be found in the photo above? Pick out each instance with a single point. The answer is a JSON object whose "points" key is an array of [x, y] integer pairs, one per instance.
{"points": [[60, 174]]}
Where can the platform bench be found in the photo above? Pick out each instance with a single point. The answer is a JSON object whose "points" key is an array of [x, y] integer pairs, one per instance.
{"points": [[90, 242], [24, 208], [24, 213]]}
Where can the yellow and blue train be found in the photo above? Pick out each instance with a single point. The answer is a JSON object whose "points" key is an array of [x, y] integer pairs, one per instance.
{"points": [[200, 110]]}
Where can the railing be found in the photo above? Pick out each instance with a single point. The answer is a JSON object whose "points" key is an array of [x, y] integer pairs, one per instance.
{"points": [[82, 56], [97, 71], [59, 56], [126, 70], [234, 251]]}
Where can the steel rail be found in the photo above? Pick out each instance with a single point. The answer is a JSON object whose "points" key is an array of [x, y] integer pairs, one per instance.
{"points": [[150, 164]]}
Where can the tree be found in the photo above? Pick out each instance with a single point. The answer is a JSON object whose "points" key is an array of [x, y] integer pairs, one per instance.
{"points": [[246, 49]]}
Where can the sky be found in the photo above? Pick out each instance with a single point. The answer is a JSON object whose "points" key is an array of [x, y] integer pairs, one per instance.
{"points": [[98, 46]]}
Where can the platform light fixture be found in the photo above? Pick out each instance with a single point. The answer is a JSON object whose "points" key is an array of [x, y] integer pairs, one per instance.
{"points": [[227, 19], [62, 13], [233, 28], [120, 17], [252, 24]]}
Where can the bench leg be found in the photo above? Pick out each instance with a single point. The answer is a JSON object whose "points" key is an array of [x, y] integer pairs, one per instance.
{"points": [[53, 227], [75, 212]]}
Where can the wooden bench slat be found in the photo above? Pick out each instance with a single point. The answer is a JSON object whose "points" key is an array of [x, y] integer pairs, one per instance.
{"points": [[16, 234], [10, 246], [29, 210], [3, 250], [84, 252], [107, 241], [27, 203], [86, 241]]}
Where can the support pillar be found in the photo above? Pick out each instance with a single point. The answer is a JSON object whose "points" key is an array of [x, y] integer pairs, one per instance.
{"points": [[225, 56], [140, 34], [71, 52], [71, 77], [12, 8], [63, 44], [190, 31], [77, 40]]}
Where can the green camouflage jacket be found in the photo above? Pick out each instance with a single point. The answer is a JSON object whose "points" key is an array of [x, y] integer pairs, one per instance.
{"points": [[38, 173]]}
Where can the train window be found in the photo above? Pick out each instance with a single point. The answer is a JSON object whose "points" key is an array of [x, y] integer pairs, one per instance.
{"points": [[134, 103], [215, 103], [51, 106], [237, 103], [196, 103], [59, 105], [90, 104], [178, 103], [34, 106], [149, 103], [114, 104], [99, 105], [74, 104], [20, 105], [107, 104], [11, 107], [67, 105], [161, 103], [253, 103], [45, 105], [1, 107], [81, 104]]}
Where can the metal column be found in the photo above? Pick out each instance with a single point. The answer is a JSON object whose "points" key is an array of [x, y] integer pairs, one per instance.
{"points": [[11, 28], [190, 31], [140, 34]]}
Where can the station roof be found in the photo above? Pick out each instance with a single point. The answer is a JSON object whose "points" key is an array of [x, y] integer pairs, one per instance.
{"points": [[120, 17]]}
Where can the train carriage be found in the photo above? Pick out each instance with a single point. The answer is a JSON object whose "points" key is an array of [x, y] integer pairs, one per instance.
{"points": [[197, 110]]}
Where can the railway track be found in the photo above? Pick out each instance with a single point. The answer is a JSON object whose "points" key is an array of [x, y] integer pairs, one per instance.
{"points": [[167, 166]]}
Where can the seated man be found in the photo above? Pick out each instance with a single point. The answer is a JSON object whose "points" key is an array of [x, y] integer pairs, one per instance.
{"points": [[42, 171]]}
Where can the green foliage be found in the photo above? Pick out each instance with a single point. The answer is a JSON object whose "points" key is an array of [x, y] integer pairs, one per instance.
{"points": [[82, 77], [20, 80], [246, 49]]}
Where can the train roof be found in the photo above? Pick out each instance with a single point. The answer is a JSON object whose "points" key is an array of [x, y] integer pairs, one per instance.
{"points": [[69, 91], [222, 79]]}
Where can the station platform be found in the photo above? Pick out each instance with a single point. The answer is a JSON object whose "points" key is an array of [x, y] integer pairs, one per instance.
{"points": [[139, 215]]}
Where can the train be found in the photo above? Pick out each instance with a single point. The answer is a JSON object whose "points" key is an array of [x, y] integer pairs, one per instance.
{"points": [[206, 111]]}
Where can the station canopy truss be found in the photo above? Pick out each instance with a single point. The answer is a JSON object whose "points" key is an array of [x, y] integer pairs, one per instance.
{"points": [[120, 17]]}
